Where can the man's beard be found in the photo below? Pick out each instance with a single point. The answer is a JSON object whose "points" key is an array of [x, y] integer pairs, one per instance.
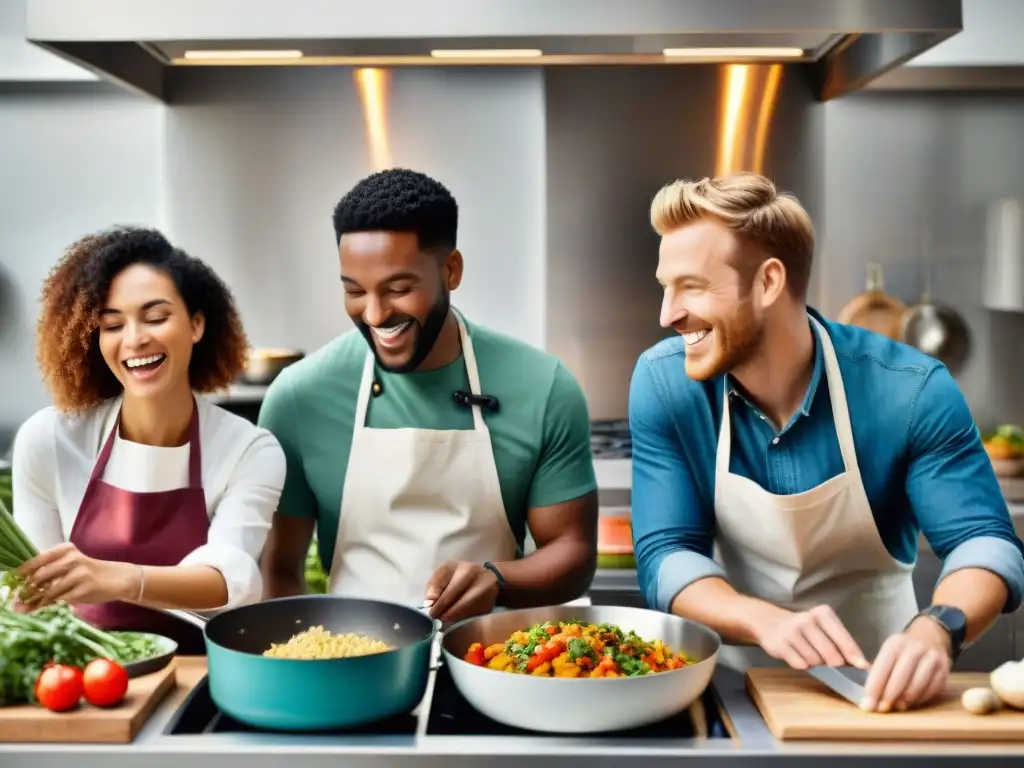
{"points": [[427, 334], [735, 340]]}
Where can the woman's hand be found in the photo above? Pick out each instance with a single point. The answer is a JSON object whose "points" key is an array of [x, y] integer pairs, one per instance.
{"points": [[64, 573]]}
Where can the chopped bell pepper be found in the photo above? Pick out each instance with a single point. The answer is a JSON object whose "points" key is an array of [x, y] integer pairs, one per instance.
{"points": [[549, 651], [475, 655]]}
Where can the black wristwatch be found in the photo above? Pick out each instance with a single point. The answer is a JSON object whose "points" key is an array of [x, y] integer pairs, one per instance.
{"points": [[953, 621]]}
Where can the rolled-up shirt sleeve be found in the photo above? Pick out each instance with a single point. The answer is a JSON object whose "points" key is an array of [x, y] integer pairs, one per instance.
{"points": [[241, 521], [673, 529], [954, 492]]}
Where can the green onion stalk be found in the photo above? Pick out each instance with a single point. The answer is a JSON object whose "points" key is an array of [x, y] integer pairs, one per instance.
{"points": [[52, 634], [15, 550]]}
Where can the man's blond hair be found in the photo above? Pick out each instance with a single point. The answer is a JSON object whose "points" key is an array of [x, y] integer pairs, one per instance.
{"points": [[773, 222]]}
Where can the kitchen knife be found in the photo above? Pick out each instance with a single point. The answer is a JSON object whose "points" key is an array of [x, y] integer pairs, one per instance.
{"points": [[848, 682]]}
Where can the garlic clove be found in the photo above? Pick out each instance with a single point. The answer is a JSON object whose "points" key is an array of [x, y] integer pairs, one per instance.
{"points": [[980, 701]]}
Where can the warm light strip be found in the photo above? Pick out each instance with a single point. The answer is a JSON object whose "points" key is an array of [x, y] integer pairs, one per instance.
{"points": [[769, 98], [732, 120], [733, 53], [374, 85], [228, 55], [487, 53]]}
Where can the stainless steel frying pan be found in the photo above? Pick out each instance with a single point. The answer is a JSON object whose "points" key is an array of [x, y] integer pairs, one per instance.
{"points": [[937, 330]]}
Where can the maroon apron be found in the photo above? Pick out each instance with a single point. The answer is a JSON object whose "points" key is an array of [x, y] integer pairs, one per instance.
{"points": [[155, 528]]}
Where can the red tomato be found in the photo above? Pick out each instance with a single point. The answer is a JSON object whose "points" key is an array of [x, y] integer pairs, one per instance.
{"points": [[59, 687], [105, 682]]}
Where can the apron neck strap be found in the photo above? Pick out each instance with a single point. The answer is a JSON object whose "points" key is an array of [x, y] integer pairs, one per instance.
{"points": [[195, 454], [472, 372], [840, 409], [195, 450], [837, 393]]}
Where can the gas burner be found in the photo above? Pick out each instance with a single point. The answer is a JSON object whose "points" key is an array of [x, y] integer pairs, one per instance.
{"points": [[452, 715], [198, 715]]}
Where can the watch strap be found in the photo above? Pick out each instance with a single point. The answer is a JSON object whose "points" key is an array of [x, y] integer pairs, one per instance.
{"points": [[497, 574], [957, 631]]}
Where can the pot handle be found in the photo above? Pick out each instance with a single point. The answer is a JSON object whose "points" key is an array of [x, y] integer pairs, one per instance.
{"points": [[195, 619], [435, 649]]}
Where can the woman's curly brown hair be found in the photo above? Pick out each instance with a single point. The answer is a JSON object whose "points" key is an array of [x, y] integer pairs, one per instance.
{"points": [[67, 334]]}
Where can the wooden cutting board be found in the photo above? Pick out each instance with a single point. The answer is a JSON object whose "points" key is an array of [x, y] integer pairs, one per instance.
{"points": [[796, 706], [89, 724]]}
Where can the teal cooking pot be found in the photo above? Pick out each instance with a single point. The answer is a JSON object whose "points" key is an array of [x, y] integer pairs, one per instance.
{"points": [[315, 694]]}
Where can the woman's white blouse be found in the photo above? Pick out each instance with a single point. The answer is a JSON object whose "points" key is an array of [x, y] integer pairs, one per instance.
{"points": [[243, 470]]}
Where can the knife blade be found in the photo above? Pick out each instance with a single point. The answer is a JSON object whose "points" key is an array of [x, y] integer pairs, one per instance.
{"points": [[848, 682]]}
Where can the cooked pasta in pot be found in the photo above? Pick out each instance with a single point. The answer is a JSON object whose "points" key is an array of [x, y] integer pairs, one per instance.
{"points": [[318, 643], [567, 649]]}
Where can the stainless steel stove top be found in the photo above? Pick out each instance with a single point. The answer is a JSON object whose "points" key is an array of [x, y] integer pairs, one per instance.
{"points": [[449, 715]]}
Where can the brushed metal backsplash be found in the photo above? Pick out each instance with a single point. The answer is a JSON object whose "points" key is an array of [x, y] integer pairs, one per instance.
{"points": [[614, 136]]}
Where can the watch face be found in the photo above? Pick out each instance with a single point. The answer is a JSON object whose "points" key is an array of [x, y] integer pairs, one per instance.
{"points": [[953, 618]]}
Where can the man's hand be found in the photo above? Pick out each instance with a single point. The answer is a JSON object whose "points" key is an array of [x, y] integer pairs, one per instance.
{"points": [[459, 589], [64, 573], [911, 668], [811, 638]]}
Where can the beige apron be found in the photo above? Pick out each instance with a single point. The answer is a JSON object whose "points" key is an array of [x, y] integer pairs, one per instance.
{"points": [[817, 547], [414, 498]]}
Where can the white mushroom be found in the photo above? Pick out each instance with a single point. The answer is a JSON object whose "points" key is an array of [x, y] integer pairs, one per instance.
{"points": [[1008, 683], [980, 701]]}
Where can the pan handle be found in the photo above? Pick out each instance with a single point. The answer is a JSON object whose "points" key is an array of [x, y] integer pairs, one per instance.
{"points": [[875, 277], [435, 650], [195, 619]]}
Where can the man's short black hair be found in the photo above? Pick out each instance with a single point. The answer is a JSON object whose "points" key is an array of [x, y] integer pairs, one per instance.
{"points": [[400, 200]]}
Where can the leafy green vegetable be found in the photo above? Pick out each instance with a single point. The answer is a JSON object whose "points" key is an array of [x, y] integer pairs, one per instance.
{"points": [[1007, 434], [627, 649], [15, 550], [316, 576], [631, 666], [579, 648], [6, 489], [28, 642], [1012, 434]]}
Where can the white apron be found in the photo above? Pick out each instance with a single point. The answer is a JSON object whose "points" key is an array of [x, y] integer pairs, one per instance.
{"points": [[817, 547], [414, 498]]}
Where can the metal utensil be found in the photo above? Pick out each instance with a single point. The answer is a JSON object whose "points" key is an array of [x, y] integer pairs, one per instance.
{"points": [[592, 705], [315, 694], [848, 682], [265, 364], [874, 309], [935, 329]]}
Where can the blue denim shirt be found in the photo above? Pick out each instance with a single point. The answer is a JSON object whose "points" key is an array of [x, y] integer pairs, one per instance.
{"points": [[919, 451]]}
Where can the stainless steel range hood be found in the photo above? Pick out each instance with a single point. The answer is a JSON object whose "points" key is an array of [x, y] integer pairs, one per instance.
{"points": [[844, 44]]}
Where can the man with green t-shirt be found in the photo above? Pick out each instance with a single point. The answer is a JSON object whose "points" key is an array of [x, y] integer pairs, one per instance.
{"points": [[421, 445]]}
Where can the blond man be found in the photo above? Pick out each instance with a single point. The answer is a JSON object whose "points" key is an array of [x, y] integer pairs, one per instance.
{"points": [[784, 465]]}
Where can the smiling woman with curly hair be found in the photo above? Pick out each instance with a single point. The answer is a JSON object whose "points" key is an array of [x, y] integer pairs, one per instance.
{"points": [[136, 492], [72, 329]]}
